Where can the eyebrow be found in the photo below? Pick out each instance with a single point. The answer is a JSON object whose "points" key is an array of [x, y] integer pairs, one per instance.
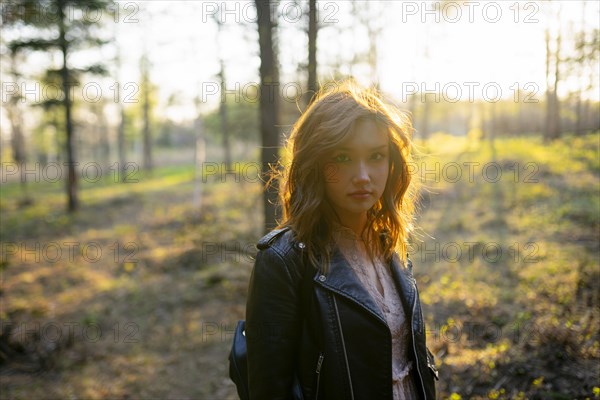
{"points": [[372, 149]]}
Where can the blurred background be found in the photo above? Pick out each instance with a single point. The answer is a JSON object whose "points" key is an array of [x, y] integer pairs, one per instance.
{"points": [[133, 139]]}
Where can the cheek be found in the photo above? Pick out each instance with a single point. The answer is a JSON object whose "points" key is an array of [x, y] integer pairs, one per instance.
{"points": [[382, 172], [330, 174], [383, 175], [335, 175]]}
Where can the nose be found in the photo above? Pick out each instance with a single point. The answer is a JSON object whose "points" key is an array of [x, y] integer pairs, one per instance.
{"points": [[362, 174]]}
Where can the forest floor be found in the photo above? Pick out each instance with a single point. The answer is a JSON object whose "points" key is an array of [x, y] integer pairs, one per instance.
{"points": [[138, 293]]}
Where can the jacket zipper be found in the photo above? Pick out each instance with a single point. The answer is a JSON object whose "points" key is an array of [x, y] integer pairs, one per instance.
{"points": [[414, 347], [343, 347], [318, 371]]}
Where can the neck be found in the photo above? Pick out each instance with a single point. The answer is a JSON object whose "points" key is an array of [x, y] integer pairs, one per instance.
{"points": [[356, 224]]}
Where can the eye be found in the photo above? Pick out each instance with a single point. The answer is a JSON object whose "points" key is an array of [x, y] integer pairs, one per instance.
{"points": [[341, 158], [379, 156]]}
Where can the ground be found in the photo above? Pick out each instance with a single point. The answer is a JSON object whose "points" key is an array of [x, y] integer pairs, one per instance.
{"points": [[138, 293]]}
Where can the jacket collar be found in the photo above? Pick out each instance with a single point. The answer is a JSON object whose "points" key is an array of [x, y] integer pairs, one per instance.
{"points": [[342, 280], [405, 283]]}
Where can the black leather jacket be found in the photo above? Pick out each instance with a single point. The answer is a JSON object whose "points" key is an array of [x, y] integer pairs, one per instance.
{"points": [[323, 334]]}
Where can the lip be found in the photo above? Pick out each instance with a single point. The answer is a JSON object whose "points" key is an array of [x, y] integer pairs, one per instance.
{"points": [[360, 194]]}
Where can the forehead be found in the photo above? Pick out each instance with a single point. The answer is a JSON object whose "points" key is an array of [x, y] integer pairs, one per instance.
{"points": [[365, 136]]}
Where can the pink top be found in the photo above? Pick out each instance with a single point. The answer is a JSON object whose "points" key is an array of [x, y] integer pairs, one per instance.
{"points": [[377, 278]]}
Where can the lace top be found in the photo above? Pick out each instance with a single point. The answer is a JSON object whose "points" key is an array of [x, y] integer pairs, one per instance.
{"points": [[377, 278]]}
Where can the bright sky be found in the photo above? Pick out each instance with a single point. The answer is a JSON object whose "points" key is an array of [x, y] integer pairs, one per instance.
{"points": [[490, 44]]}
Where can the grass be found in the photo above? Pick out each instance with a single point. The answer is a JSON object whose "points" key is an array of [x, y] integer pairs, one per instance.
{"points": [[520, 299], [507, 267]]}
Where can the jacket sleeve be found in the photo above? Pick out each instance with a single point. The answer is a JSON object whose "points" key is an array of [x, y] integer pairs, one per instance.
{"points": [[272, 326]]}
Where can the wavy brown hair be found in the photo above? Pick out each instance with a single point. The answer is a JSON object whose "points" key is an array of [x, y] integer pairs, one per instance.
{"points": [[328, 120]]}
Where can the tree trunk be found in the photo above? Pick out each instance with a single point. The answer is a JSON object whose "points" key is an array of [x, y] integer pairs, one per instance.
{"points": [[224, 120], [104, 132], [199, 158], [147, 140], [493, 123], [73, 203], [269, 88], [312, 51], [121, 168], [555, 133], [552, 130], [15, 118], [580, 68], [547, 127]]}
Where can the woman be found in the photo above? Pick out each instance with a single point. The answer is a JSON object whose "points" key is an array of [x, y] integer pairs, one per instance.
{"points": [[333, 311]]}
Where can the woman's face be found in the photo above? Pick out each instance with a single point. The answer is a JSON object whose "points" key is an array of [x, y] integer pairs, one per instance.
{"points": [[356, 172]]}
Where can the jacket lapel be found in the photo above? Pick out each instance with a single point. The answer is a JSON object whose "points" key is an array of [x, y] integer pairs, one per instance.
{"points": [[342, 280], [405, 283]]}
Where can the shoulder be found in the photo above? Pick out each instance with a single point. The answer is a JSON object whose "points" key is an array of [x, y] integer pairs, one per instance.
{"points": [[405, 267], [282, 241], [280, 247], [409, 264]]}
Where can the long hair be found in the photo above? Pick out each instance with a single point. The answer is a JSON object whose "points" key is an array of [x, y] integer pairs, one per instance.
{"points": [[328, 120]]}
